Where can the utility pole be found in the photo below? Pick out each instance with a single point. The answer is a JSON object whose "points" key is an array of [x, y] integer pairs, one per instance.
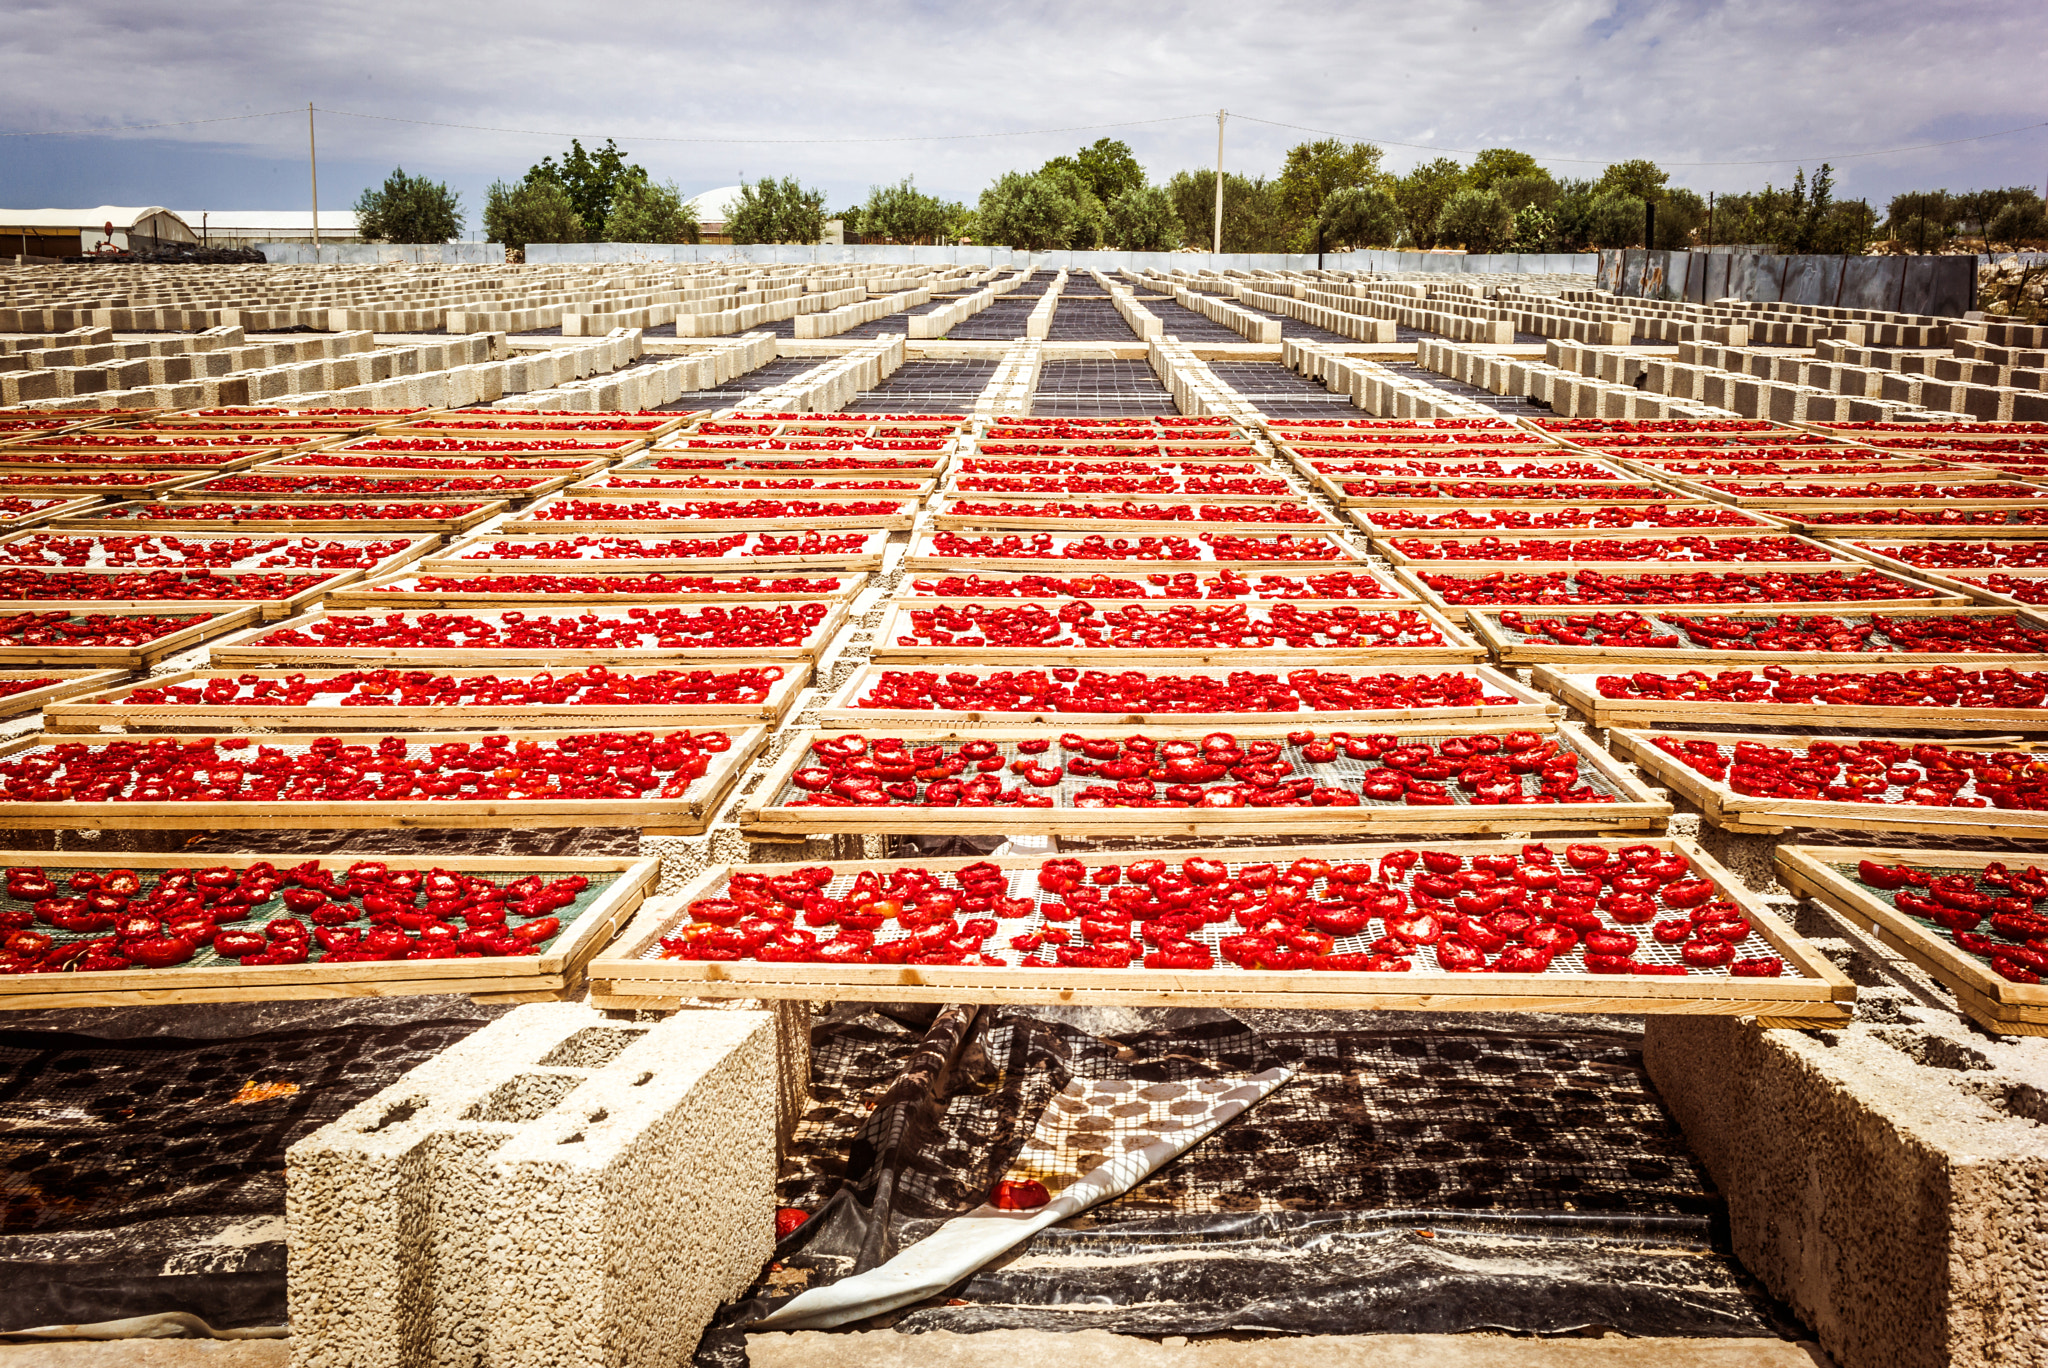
{"points": [[313, 169], [1221, 115], [1710, 218]]}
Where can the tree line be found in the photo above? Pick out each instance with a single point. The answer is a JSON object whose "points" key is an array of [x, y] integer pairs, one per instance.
{"points": [[1328, 195]]}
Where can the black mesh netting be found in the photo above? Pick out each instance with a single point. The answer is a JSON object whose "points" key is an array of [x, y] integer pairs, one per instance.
{"points": [[1431, 1176], [127, 1165]]}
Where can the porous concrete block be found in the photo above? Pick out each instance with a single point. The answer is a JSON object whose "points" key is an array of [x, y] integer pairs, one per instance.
{"points": [[1899, 387], [1888, 1181], [20, 387], [557, 1189]]}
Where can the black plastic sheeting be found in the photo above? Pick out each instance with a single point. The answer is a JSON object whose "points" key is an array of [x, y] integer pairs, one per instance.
{"points": [[139, 1171], [1419, 1174]]}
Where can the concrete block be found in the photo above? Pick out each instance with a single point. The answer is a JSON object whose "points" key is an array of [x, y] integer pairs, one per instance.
{"points": [[1888, 1181], [1900, 388], [20, 387]]}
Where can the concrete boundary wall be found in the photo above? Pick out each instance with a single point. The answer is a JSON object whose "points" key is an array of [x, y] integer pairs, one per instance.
{"points": [[1453, 263], [1942, 286]]}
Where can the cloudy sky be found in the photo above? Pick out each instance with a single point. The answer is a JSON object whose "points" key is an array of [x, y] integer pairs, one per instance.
{"points": [[847, 96]]}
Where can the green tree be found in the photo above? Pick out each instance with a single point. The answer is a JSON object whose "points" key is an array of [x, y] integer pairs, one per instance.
{"points": [[1535, 230], [1313, 171], [1361, 216], [1253, 220], [1088, 224], [1109, 168], [1921, 220], [849, 221], [1519, 192], [1027, 211], [1422, 195], [1642, 179], [1497, 164], [1847, 230], [2017, 223], [1477, 220], [644, 212], [592, 180], [770, 210], [1615, 220], [904, 213], [1142, 219], [1571, 213], [408, 209], [962, 223], [1681, 214], [528, 212]]}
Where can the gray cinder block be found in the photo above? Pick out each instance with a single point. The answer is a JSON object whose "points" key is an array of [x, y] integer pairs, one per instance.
{"points": [[559, 1189]]}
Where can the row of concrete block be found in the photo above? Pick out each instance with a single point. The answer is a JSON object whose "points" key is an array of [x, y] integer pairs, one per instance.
{"points": [[1196, 390], [1374, 388], [1009, 390], [830, 387], [1038, 324], [1920, 380], [559, 1189], [1325, 311], [237, 375], [944, 319], [1251, 326], [1778, 390], [1570, 394], [1124, 300], [654, 382], [1772, 311], [832, 322]]}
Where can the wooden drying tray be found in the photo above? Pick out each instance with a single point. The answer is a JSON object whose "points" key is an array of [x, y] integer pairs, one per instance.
{"points": [[225, 460], [1975, 432], [772, 486], [76, 480], [367, 595], [688, 815], [630, 974], [945, 516], [1385, 544], [1748, 816], [1822, 463], [1412, 575], [1856, 494], [1578, 686], [284, 415], [646, 463], [268, 609], [449, 561], [245, 651], [923, 558], [323, 463], [479, 510], [1399, 593], [1799, 518], [1697, 486], [1484, 624], [1827, 875], [105, 709], [527, 978], [60, 506], [1955, 583], [67, 684], [1617, 492], [529, 520], [1882, 552], [1161, 453], [1759, 524], [559, 423], [607, 445], [213, 620], [1457, 648], [1637, 807], [391, 487], [1527, 704], [420, 545]]}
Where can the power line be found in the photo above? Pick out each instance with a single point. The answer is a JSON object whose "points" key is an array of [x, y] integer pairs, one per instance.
{"points": [[1604, 161], [131, 128], [916, 137]]}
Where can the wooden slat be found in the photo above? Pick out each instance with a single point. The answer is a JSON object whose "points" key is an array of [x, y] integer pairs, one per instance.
{"points": [[1484, 623], [1577, 686]]}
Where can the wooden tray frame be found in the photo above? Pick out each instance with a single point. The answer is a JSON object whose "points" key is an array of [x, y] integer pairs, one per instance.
{"points": [[1638, 809], [1332, 489], [99, 708], [243, 652], [839, 711], [1898, 532], [271, 609], [1762, 523], [63, 507], [1577, 686], [644, 464], [1384, 543], [98, 521], [1881, 556], [390, 565], [227, 465], [447, 562], [547, 975], [532, 489], [161, 485], [684, 816], [529, 519], [1403, 593], [596, 484], [364, 596], [1749, 816], [1995, 1003], [224, 618], [285, 465], [1182, 453], [70, 684], [601, 445], [1458, 648], [942, 517], [1411, 575], [920, 558], [1822, 998], [1505, 651], [539, 420]]}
